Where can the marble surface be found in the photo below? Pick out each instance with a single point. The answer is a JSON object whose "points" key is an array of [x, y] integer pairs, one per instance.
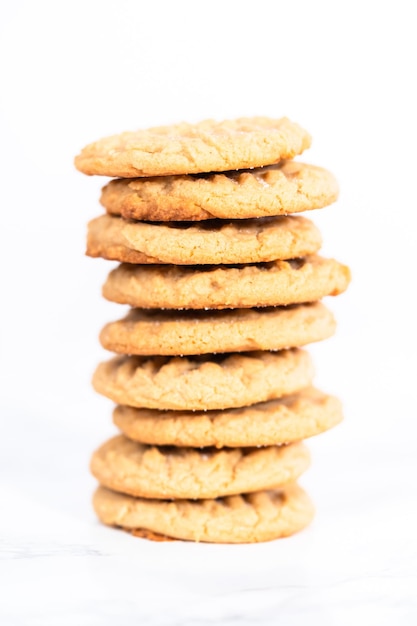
{"points": [[59, 567]]}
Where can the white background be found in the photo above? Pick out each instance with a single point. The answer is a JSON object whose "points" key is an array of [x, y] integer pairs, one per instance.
{"points": [[72, 72]]}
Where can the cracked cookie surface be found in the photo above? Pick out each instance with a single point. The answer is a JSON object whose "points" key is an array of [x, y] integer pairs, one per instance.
{"points": [[173, 333], [168, 472], [185, 148], [291, 418], [255, 517], [289, 187], [199, 243], [226, 287], [202, 383]]}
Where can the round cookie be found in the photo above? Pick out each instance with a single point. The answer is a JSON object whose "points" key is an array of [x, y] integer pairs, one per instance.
{"points": [[170, 333], [199, 243], [207, 146], [291, 418], [226, 287], [289, 187], [255, 517], [202, 383], [175, 473]]}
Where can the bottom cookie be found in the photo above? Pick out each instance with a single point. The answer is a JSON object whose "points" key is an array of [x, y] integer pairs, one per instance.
{"points": [[250, 518]]}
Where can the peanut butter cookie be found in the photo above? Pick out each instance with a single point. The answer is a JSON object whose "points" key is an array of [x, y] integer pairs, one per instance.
{"points": [[202, 383], [291, 418], [199, 243], [259, 516], [173, 333], [171, 472], [226, 287], [289, 187], [208, 146]]}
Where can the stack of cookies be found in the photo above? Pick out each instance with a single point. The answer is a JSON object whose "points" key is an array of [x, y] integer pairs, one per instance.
{"points": [[213, 388]]}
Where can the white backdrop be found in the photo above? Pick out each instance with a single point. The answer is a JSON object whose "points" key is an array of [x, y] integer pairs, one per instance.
{"points": [[72, 72], [75, 71]]}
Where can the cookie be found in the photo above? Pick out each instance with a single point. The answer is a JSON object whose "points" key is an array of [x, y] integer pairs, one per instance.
{"points": [[202, 383], [105, 239], [255, 517], [170, 333], [292, 418], [288, 187], [174, 473], [196, 243], [222, 287], [208, 146]]}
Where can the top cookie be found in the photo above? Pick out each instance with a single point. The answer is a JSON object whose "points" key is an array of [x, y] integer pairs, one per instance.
{"points": [[208, 146]]}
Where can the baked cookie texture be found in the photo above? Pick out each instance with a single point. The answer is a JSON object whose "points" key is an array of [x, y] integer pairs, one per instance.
{"points": [[207, 146], [170, 333], [105, 239], [224, 282], [173, 473], [291, 418], [226, 287], [203, 382], [248, 518], [288, 187], [200, 243]]}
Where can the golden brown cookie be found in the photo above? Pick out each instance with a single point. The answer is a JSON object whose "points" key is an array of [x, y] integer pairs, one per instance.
{"points": [[291, 418], [202, 383], [105, 239], [209, 146], [288, 187], [171, 333], [171, 473], [226, 287], [259, 516], [212, 241]]}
